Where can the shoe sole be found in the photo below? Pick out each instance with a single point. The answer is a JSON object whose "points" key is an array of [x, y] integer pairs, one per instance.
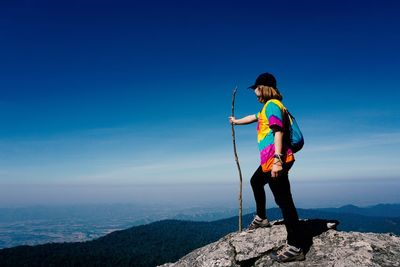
{"points": [[297, 258], [262, 226]]}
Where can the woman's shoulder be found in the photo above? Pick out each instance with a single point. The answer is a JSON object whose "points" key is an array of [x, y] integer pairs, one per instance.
{"points": [[274, 102]]}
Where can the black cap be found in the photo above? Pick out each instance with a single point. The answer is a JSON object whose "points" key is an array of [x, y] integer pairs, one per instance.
{"points": [[265, 79]]}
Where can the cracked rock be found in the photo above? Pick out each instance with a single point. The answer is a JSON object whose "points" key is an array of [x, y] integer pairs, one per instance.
{"points": [[327, 247]]}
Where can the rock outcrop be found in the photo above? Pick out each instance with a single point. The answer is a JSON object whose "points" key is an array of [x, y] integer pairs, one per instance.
{"points": [[323, 247]]}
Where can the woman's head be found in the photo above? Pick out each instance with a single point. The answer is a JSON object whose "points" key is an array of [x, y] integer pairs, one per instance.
{"points": [[265, 88]]}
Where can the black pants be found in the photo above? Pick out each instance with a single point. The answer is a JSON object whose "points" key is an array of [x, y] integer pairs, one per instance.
{"points": [[280, 188]]}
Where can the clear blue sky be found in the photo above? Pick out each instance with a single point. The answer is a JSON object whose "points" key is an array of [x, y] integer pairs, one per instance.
{"points": [[111, 95]]}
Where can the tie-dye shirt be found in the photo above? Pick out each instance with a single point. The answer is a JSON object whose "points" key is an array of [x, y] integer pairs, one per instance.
{"points": [[270, 115]]}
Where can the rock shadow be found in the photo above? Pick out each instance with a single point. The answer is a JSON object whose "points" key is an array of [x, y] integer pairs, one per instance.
{"points": [[310, 228]]}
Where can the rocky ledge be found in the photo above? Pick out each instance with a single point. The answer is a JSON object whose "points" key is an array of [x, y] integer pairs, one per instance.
{"points": [[324, 246]]}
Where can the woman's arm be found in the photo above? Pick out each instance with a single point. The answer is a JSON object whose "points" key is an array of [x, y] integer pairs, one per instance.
{"points": [[278, 141], [278, 164], [245, 120]]}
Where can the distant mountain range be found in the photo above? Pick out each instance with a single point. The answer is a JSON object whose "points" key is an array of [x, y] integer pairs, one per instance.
{"points": [[168, 240], [380, 210]]}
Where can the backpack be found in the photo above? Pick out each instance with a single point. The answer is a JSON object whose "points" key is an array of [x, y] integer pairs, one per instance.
{"points": [[296, 139]]}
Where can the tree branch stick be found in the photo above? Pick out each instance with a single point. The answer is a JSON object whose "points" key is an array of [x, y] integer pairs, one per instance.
{"points": [[237, 163]]}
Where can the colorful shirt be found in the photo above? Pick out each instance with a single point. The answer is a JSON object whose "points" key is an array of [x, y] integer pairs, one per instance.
{"points": [[270, 115]]}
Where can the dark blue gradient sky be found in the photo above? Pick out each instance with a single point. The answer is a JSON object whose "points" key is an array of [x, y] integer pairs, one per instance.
{"points": [[138, 92]]}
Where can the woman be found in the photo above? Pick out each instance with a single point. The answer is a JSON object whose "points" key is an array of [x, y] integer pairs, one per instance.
{"points": [[276, 160]]}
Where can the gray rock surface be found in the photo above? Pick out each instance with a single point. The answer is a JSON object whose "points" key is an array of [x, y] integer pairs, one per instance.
{"points": [[327, 247]]}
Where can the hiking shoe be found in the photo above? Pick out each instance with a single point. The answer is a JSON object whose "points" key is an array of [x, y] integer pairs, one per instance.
{"points": [[288, 253], [259, 223]]}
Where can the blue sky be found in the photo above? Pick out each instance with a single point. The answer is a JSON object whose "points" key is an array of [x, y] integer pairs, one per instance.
{"points": [[98, 94]]}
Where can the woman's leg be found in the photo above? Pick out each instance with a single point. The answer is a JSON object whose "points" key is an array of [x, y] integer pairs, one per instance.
{"points": [[258, 181], [280, 188]]}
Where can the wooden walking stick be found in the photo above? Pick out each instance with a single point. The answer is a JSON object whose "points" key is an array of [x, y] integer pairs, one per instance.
{"points": [[237, 161]]}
